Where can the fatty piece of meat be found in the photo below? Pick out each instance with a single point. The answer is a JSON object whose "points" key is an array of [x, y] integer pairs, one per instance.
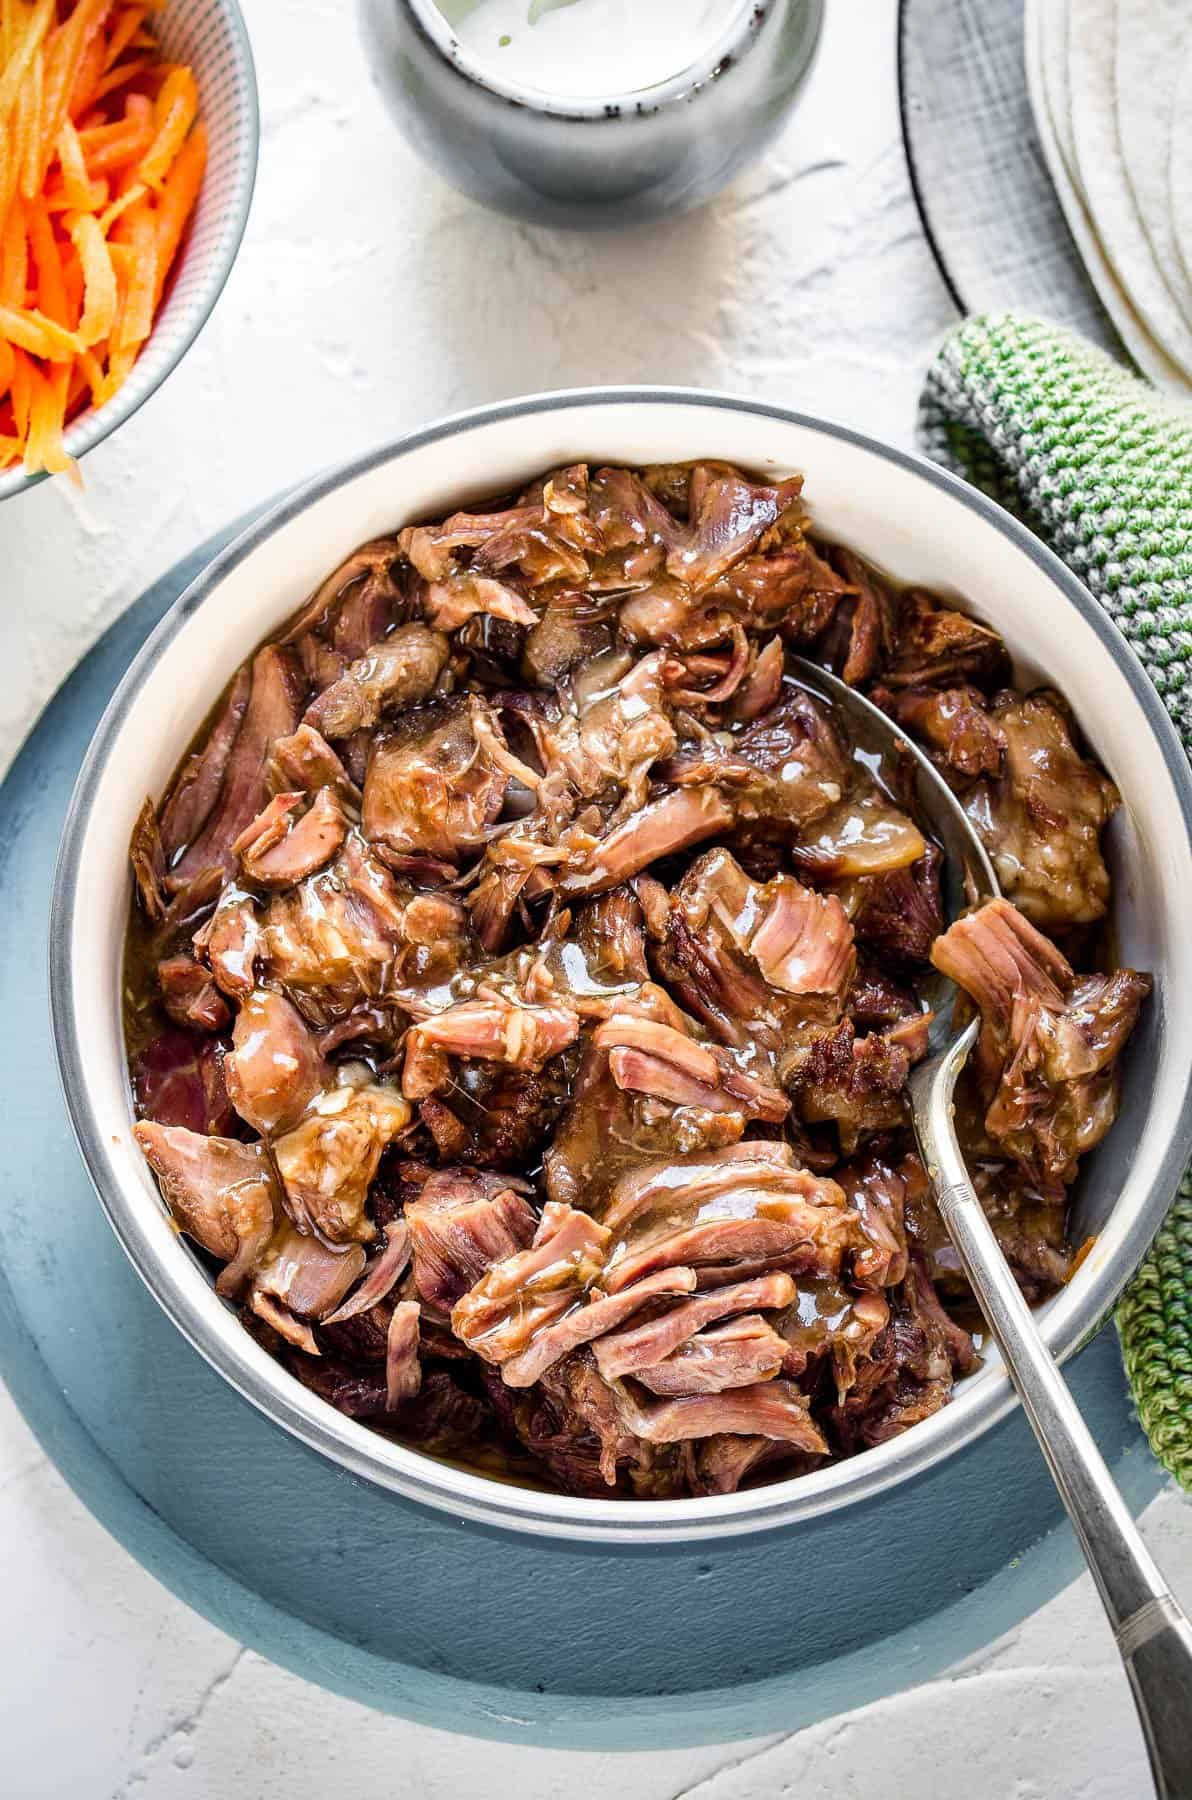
{"points": [[876, 1191], [189, 995], [272, 712], [222, 1193], [194, 793], [368, 574], [148, 863], [553, 1340], [1042, 816], [751, 960], [785, 772], [402, 670], [231, 942], [349, 935], [771, 1409], [495, 1029], [403, 1370], [755, 1230], [952, 722], [431, 788], [275, 1067], [462, 1222], [278, 849], [305, 762], [1045, 1061], [734, 1355], [637, 1347], [861, 636], [521, 1293], [328, 1160]]}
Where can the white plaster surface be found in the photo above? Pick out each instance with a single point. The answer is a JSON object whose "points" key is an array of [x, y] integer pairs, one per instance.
{"points": [[368, 298]]}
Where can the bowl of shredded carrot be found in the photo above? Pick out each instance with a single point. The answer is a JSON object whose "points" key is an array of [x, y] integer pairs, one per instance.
{"points": [[128, 144]]}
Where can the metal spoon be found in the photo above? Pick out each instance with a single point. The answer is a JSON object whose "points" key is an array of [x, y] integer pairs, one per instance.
{"points": [[1152, 1633]]}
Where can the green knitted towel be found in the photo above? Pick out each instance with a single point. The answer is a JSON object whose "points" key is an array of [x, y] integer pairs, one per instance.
{"points": [[1100, 466]]}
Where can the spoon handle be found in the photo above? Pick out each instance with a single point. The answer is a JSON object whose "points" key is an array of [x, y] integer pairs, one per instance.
{"points": [[1152, 1633]]}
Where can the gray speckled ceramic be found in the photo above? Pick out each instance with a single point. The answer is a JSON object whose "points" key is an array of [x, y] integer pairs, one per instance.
{"points": [[618, 160]]}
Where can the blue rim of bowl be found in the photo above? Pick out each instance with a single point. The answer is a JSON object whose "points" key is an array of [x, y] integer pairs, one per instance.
{"points": [[275, 1392], [94, 425]]}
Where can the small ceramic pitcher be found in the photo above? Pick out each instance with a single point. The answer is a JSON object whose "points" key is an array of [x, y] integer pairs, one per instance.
{"points": [[604, 160]]}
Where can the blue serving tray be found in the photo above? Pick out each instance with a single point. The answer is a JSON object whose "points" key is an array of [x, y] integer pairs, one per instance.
{"points": [[406, 1609]]}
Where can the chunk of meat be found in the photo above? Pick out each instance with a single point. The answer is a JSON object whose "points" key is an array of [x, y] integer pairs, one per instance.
{"points": [[495, 1029], [733, 1355], [753, 960], [641, 1346], [194, 793], [771, 1409], [177, 1079], [876, 1190], [652, 1058], [531, 1289], [189, 995], [277, 849], [899, 914], [856, 1083], [462, 1222], [543, 545], [305, 762], [1045, 1061], [222, 1194], [275, 1068], [1041, 819], [304, 1277], [272, 713], [149, 862], [675, 822], [864, 625], [402, 670], [366, 576], [431, 788], [350, 935], [231, 942], [327, 1161], [582, 1324], [952, 722], [783, 773], [403, 1370], [935, 647]]}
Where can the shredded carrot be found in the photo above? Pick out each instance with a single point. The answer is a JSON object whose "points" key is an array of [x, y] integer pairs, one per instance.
{"points": [[177, 200], [174, 114], [102, 156], [99, 281], [14, 259]]}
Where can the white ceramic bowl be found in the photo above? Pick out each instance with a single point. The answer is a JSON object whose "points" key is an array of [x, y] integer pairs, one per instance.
{"points": [[908, 517], [210, 36]]}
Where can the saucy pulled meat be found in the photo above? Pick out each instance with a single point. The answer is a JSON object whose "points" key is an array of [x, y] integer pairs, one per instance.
{"points": [[523, 979]]}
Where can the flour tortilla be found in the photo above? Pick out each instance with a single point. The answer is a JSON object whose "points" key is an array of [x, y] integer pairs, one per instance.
{"points": [[1051, 32], [1152, 39], [1179, 168], [1040, 39], [1092, 35]]}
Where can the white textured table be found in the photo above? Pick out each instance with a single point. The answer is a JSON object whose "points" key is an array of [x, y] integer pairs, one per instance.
{"points": [[367, 299]]}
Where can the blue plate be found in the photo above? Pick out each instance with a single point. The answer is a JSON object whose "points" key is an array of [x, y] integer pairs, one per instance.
{"points": [[409, 1610]]}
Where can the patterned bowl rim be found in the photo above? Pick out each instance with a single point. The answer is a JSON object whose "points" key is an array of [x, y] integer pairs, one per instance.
{"points": [[97, 423]]}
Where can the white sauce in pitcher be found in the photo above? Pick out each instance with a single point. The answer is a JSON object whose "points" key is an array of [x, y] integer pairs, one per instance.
{"points": [[587, 48]]}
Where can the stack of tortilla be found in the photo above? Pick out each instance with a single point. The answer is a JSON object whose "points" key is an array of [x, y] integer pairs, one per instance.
{"points": [[1111, 87]]}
